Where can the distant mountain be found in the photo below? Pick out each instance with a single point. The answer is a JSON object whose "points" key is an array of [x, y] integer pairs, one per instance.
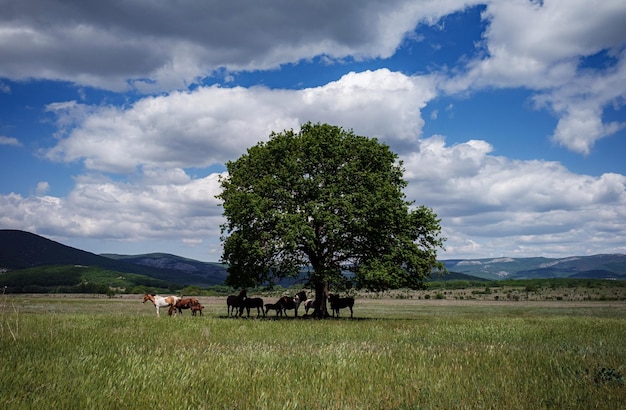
{"points": [[209, 272], [22, 250], [609, 266]]}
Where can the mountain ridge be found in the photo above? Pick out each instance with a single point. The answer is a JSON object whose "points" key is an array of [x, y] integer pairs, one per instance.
{"points": [[21, 250], [601, 266]]}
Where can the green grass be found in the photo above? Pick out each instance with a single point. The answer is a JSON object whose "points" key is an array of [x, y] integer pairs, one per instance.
{"points": [[69, 352]]}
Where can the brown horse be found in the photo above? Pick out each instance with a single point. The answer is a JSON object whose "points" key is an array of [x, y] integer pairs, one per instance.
{"points": [[274, 306], [235, 301], [183, 304], [196, 308]]}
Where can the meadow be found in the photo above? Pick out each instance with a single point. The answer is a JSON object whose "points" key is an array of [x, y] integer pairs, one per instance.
{"points": [[89, 351]]}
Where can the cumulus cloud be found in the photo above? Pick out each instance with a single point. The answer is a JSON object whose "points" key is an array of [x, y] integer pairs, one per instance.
{"points": [[126, 44], [211, 125], [175, 209], [541, 46], [492, 204]]}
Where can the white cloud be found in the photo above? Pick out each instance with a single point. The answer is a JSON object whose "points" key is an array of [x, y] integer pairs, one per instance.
{"points": [[186, 210], [531, 44], [10, 141], [42, 187], [540, 46], [495, 206], [489, 205], [212, 124], [580, 106]]}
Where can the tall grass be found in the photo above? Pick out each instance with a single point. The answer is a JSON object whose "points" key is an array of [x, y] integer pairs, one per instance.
{"points": [[100, 353]]}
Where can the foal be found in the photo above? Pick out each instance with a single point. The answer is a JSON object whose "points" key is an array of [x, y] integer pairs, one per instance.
{"points": [[196, 308]]}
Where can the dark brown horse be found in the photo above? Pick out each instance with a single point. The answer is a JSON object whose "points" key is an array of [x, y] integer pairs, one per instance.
{"points": [[337, 303], [251, 303], [288, 302], [235, 302], [274, 306]]}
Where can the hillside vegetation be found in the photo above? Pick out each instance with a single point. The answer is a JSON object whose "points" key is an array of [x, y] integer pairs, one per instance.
{"points": [[81, 279], [22, 250]]}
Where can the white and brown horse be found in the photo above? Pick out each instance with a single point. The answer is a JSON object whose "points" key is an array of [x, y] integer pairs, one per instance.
{"points": [[309, 304], [288, 302], [160, 301]]}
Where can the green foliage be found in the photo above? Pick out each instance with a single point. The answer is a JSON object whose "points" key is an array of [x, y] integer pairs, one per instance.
{"points": [[79, 279], [329, 199]]}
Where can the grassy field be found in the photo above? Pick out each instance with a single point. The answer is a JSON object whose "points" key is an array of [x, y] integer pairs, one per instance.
{"points": [[93, 352]]}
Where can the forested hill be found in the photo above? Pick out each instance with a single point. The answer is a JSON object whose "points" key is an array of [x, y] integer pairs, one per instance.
{"points": [[21, 250]]}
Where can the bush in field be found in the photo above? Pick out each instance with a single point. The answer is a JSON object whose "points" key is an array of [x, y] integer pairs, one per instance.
{"points": [[606, 375]]}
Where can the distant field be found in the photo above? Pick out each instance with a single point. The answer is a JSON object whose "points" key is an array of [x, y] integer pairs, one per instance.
{"points": [[400, 351]]}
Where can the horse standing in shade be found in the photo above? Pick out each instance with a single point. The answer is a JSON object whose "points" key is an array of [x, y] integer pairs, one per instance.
{"points": [[288, 303], [160, 301], [337, 303], [251, 303], [309, 304], [274, 306], [235, 301]]}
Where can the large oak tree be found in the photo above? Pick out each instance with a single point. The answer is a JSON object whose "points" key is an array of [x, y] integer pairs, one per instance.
{"points": [[330, 200]]}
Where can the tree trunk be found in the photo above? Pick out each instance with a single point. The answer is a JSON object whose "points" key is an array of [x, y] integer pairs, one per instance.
{"points": [[321, 296]]}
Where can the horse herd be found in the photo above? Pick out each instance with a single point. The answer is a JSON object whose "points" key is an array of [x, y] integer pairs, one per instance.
{"points": [[237, 303]]}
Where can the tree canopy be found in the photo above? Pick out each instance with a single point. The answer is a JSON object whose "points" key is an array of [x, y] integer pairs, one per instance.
{"points": [[330, 200]]}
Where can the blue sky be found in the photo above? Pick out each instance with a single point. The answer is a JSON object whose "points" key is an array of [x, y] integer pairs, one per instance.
{"points": [[116, 118]]}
